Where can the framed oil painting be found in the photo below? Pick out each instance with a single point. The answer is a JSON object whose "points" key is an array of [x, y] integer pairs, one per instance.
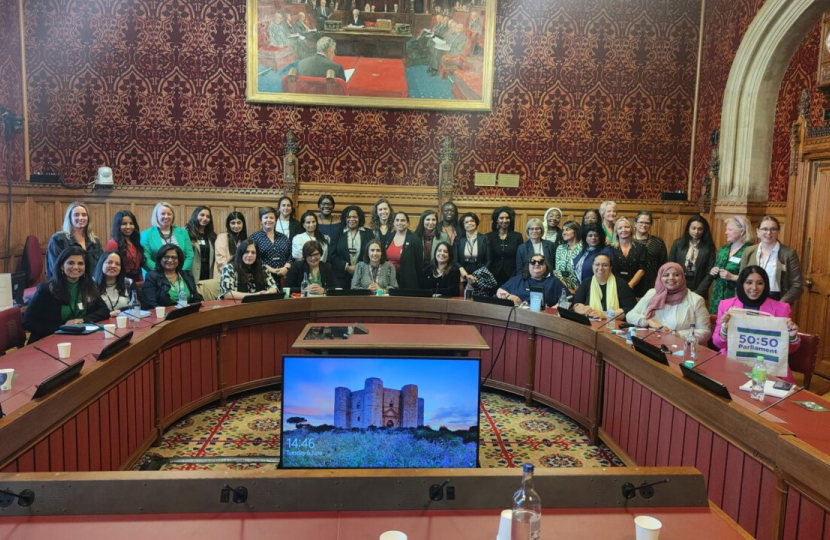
{"points": [[405, 54]]}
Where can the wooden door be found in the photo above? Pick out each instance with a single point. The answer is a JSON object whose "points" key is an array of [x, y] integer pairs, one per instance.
{"points": [[813, 308]]}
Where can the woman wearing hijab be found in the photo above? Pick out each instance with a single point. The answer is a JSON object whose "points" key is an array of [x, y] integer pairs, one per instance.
{"points": [[753, 293], [603, 291], [552, 233], [671, 306]]}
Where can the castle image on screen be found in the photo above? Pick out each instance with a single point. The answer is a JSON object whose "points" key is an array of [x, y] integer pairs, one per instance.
{"points": [[378, 406]]}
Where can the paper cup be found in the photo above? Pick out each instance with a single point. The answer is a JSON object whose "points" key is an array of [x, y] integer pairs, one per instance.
{"points": [[647, 527], [64, 350], [121, 321], [393, 535], [109, 330], [161, 312], [6, 378], [505, 523]]}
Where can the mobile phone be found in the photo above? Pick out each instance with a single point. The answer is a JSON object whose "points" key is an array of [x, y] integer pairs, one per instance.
{"points": [[782, 385], [624, 325]]}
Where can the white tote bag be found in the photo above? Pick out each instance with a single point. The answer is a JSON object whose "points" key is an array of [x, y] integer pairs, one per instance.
{"points": [[751, 336]]}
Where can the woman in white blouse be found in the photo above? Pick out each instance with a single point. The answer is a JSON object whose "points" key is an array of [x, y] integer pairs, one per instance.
{"points": [[309, 223], [671, 307]]}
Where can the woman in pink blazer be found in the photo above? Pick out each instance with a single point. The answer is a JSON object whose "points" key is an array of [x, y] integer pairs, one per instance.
{"points": [[753, 293]]}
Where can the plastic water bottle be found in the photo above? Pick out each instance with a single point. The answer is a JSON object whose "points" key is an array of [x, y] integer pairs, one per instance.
{"points": [[135, 310], [182, 298], [563, 300], [304, 286], [527, 509], [759, 379], [468, 290], [690, 352]]}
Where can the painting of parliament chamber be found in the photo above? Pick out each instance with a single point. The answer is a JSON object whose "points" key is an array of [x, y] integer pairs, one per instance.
{"points": [[407, 54]]}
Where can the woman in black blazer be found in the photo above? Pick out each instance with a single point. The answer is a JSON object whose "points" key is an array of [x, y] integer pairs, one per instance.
{"points": [[504, 243], [695, 252], [70, 297], [440, 276], [162, 285], [405, 251], [319, 273], [350, 245], [533, 229], [472, 251]]}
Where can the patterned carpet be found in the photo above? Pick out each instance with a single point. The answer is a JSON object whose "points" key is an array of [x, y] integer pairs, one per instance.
{"points": [[511, 434]]}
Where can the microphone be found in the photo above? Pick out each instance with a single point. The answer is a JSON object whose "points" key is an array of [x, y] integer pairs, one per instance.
{"points": [[50, 355], [127, 313], [788, 396], [700, 364]]}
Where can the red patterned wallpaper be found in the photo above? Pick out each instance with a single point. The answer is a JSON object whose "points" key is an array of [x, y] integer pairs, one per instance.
{"points": [[11, 89], [801, 73], [724, 27], [591, 99]]}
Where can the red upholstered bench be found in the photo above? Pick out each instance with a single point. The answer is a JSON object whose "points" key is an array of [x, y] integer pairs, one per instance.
{"points": [[466, 85]]}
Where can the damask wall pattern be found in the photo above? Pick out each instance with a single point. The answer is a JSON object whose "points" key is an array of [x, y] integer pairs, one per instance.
{"points": [[802, 73], [11, 89], [591, 99]]}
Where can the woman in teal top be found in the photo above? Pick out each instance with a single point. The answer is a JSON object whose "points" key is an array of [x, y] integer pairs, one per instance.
{"points": [[163, 232], [728, 260]]}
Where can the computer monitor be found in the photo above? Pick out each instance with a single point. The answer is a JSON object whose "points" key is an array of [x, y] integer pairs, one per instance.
{"points": [[647, 349], [183, 311], [574, 316], [380, 412], [415, 293], [708, 383], [494, 300], [349, 292], [252, 298]]}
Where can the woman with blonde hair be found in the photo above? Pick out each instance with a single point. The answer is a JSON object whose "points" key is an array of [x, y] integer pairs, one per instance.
{"points": [[75, 232], [724, 274], [162, 232], [629, 258]]}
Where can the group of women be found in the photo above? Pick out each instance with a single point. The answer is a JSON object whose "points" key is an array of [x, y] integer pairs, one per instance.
{"points": [[608, 265]]}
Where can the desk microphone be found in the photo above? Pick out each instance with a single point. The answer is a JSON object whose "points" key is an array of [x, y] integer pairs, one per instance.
{"points": [[127, 313], [50, 355], [788, 396], [700, 364]]}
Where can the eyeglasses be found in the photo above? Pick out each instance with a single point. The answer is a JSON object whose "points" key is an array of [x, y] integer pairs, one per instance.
{"points": [[534, 228], [537, 262], [170, 258], [768, 229], [643, 223], [313, 255]]}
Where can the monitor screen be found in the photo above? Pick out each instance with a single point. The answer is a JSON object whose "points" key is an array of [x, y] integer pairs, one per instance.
{"points": [[371, 412]]}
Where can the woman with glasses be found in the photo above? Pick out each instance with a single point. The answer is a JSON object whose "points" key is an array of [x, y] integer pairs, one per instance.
{"points": [[724, 274], [70, 297], [695, 253], [226, 243], [350, 245], [75, 232], [535, 245], [779, 261], [317, 272], [592, 216], [535, 274], [504, 243], [603, 292], [566, 252], [441, 276], [163, 232], [627, 256], [312, 232], [245, 275], [656, 254], [374, 272], [163, 285]]}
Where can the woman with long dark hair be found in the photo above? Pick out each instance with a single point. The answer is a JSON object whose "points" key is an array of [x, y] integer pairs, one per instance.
{"points": [[504, 243], [427, 231], [374, 272], [286, 223], [405, 252], [312, 232], [112, 282], [695, 253], [126, 240], [441, 276], [381, 221], [594, 244], [245, 274], [202, 239], [226, 243], [70, 297]]}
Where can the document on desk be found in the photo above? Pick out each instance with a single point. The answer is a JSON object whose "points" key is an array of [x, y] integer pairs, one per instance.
{"points": [[349, 73]]}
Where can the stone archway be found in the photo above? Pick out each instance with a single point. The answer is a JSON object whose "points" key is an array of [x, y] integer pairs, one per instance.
{"points": [[751, 95]]}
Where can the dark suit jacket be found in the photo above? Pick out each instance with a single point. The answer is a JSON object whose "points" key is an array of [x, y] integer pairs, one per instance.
{"points": [[320, 18], [525, 252], [412, 261], [294, 278], [482, 258], [300, 28], [43, 314], [705, 262], [789, 271], [503, 263], [156, 290], [351, 22], [318, 65], [339, 256]]}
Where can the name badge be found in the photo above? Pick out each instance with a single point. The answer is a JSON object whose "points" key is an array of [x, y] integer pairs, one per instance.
{"points": [[202, 242], [735, 260], [80, 305]]}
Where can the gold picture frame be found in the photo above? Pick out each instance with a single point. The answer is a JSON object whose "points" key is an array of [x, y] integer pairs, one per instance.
{"points": [[380, 64]]}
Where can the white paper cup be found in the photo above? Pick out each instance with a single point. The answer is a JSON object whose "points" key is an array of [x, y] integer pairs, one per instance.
{"points": [[6, 378], [109, 330], [647, 527], [161, 312], [64, 350], [505, 523], [393, 535], [121, 321]]}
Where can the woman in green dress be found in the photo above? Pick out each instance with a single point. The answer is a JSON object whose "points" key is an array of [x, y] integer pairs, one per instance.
{"points": [[728, 260]]}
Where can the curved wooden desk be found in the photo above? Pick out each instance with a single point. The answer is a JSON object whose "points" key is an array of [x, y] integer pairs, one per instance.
{"points": [[769, 472]]}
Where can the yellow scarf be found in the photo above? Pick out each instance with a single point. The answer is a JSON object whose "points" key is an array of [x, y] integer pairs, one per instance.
{"points": [[611, 300]]}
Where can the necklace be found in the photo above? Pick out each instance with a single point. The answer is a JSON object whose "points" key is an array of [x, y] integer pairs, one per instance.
{"points": [[166, 237]]}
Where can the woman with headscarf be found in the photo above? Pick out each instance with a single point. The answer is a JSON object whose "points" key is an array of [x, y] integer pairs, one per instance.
{"points": [[603, 291], [671, 306], [551, 221], [752, 292]]}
